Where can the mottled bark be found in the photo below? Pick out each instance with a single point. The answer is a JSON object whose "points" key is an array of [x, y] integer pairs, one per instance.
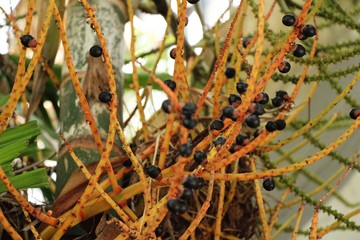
{"points": [[110, 14]]}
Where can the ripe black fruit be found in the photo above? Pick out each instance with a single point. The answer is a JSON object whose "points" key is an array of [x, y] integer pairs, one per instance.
{"points": [[220, 141], [153, 171], [188, 109], [170, 83], [191, 182], [186, 150], [289, 20], [240, 139], [173, 53], [193, 1], [189, 123], [241, 87], [200, 182], [187, 194], [183, 207], [96, 51], [271, 126], [354, 113], [308, 30], [234, 98], [26, 40], [230, 72], [253, 121], [166, 105], [199, 156], [299, 50], [284, 67], [280, 124], [277, 101], [228, 111], [217, 125], [258, 109], [269, 184], [262, 98], [105, 97], [173, 205], [246, 42], [127, 163]]}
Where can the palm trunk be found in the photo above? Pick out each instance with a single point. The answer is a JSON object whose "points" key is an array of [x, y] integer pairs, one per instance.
{"points": [[110, 14]]}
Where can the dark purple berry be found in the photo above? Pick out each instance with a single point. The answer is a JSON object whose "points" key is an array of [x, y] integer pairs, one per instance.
{"points": [[219, 141], [183, 206], [258, 109], [187, 193], [241, 87], [253, 121], [271, 126], [288, 20], [230, 72], [105, 97], [158, 231], [246, 42], [256, 133], [228, 111], [189, 123], [280, 124], [190, 182], [217, 124], [240, 139], [262, 98], [173, 53], [234, 99], [299, 50], [284, 67], [269, 184], [199, 156], [282, 94], [200, 182], [308, 30], [277, 101], [166, 106], [188, 109], [173, 205], [354, 113], [186, 150], [170, 83], [96, 51], [26, 40], [153, 171]]}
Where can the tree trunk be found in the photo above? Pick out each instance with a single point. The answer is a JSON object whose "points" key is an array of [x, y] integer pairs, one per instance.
{"points": [[92, 74]]}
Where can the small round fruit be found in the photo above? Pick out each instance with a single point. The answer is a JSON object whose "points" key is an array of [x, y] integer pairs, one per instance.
{"points": [[280, 124], [276, 101], [105, 97], [189, 123], [190, 182], [219, 141], [354, 113], [246, 42], [158, 231], [127, 163], [173, 205], [271, 126], [241, 87], [228, 111], [200, 182], [308, 30], [173, 53], [96, 51], [269, 184], [284, 67], [199, 156], [166, 106], [153, 171], [256, 133], [258, 109], [193, 1], [241, 139], [262, 98], [186, 150], [188, 109], [289, 20], [170, 83], [299, 51], [234, 100], [217, 124], [230, 72], [187, 194], [183, 206], [28, 41], [253, 121]]}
